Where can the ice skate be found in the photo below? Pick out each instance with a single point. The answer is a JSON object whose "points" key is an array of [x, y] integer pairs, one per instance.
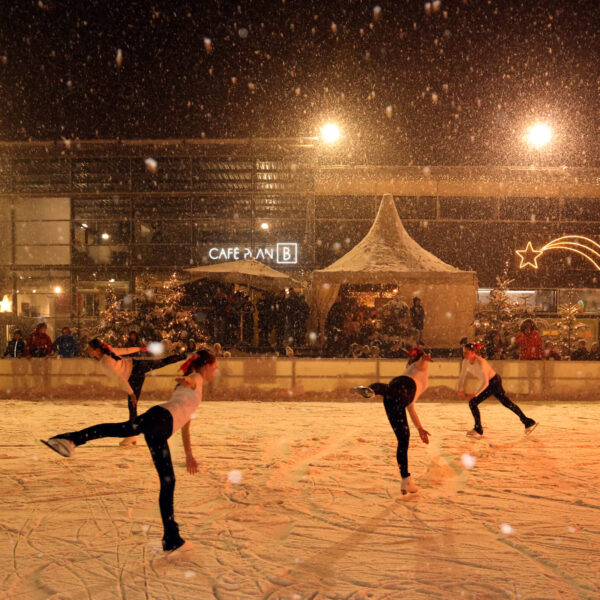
{"points": [[531, 425], [61, 446], [408, 487], [364, 391], [128, 441], [474, 434], [179, 551]]}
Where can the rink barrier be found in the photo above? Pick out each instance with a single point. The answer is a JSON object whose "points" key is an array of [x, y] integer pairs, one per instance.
{"points": [[282, 378]]}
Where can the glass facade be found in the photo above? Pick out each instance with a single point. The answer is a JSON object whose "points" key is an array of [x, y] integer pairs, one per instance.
{"points": [[74, 218]]}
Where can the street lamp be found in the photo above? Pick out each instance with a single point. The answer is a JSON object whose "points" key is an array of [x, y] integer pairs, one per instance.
{"points": [[330, 133], [539, 135]]}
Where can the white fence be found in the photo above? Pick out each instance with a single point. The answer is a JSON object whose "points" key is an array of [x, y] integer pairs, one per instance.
{"points": [[281, 378]]}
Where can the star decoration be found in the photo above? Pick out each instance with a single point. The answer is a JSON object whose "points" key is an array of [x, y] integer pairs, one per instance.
{"points": [[529, 256]]}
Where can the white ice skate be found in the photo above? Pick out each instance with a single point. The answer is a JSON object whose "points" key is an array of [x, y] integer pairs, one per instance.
{"points": [[531, 427], [178, 552], [408, 487], [128, 441], [364, 391], [63, 447]]}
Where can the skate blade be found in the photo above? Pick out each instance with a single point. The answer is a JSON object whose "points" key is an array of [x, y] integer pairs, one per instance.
{"points": [[52, 448], [530, 430], [180, 552], [406, 497]]}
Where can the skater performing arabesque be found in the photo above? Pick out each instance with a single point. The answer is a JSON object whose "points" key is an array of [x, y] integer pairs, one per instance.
{"points": [[400, 395], [131, 372], [157, 425], [490, 385]]}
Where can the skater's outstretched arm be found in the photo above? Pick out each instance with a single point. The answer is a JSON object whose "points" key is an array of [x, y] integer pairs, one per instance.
{"points": [[126, 351], [414, 417]]}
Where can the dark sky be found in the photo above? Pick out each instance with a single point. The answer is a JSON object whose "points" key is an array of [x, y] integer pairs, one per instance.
{"points": [[450, 82]]}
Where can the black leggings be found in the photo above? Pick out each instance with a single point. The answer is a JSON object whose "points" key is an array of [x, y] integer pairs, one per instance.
{"points": [[156, 425], [138, 375], [397, 395], [495, 388]]}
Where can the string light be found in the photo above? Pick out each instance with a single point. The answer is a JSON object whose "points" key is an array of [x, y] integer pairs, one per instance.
{"points": [[579, 244]]}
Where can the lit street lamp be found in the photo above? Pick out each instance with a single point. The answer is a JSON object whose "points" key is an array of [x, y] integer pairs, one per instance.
{"points": [[539, 135], [330, 133]]}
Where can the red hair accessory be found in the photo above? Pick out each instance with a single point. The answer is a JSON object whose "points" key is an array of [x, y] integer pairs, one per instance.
{"points": [[107, 347], [188, 363]]}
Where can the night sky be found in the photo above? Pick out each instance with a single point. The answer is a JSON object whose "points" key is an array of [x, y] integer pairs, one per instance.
{"points": [[451, 82]]}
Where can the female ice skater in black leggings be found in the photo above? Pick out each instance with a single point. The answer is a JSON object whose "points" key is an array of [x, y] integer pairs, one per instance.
{"points": [[157, 425], [130, 371], [399, 395], [490, 385]]}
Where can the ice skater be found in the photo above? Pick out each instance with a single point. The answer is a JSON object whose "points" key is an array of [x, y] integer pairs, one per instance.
{"points": [[130, 371], [157, 425], [491, 385], [400, 394]]}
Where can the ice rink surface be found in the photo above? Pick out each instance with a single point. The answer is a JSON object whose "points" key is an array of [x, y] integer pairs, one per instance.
{"points": [[316, 513]]}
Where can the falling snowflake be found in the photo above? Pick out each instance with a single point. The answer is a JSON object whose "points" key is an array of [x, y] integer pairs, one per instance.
{"points": [[468, 461], [506, 529], [151, 165], [235, 477]]}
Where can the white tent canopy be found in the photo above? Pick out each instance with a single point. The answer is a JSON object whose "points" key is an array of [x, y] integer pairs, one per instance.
{"points": [[388, 255], [244, 272]]}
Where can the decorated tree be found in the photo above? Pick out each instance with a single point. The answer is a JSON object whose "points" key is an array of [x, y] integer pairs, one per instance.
{"points": [[156, 313], [568, 326], [500, 316]]}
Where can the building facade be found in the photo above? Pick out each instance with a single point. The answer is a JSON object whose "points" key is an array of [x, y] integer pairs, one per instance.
{"points": [[75, 216]]}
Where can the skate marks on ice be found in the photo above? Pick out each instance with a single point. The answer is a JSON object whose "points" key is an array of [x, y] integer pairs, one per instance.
{"points": [[315, 512]]}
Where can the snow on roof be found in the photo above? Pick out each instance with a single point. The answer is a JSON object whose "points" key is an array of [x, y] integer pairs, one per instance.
{"points": [[387, 247]]}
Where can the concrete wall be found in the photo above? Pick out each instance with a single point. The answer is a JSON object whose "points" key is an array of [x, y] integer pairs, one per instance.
{"points": [[330, 379]]}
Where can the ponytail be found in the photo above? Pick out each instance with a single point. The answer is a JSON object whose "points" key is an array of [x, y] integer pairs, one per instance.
{"points": [[197, 361]]}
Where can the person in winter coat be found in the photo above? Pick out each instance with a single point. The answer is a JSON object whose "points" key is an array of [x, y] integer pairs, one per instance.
{"points": [[580, 353], [65, 344], [529, 342], [15, 347], [39, 344], [490, 384]]}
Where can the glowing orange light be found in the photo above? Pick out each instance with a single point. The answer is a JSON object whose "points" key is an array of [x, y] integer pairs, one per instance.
{"points": [[579, 244]]}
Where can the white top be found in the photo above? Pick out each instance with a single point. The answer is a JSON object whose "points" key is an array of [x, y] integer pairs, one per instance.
{"points": [[480, 369], [184, 402], [121, 369], [420, 377]]}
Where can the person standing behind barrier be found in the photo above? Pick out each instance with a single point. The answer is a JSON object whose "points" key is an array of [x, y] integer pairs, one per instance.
{"points": [[131, 372], [15, 347], [65, 345], [529, 342], [39, 344], [490, 385], [417, 317]]}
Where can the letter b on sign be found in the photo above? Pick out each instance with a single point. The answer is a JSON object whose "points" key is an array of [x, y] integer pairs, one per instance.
{"points": [[287, 253]]}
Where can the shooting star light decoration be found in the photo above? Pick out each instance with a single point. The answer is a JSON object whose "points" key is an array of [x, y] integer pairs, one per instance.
{"points": [[584, 246]]}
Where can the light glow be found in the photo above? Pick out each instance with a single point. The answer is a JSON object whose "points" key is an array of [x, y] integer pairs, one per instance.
{"points": [[57, 289], [539, 135], [330, 133], [579, 244], [105, 236], [6, 304]]}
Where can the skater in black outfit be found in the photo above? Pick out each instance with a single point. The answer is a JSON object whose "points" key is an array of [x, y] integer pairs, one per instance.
{"points": [[400, 395], [491, 385], [131, 372], [157, 425]]}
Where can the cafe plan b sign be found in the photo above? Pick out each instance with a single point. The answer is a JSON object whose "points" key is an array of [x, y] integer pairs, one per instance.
{"points": [[282, 253]]}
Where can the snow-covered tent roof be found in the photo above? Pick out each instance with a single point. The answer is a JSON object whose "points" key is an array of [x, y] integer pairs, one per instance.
{"points": [[387, 254]]}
